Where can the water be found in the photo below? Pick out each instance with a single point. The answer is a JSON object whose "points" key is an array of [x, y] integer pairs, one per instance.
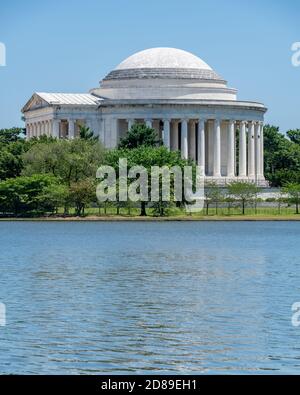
{"points": [[132, 297]]}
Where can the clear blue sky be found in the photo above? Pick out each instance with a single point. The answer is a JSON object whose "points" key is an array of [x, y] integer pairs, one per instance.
{"points": [[68, 46]]}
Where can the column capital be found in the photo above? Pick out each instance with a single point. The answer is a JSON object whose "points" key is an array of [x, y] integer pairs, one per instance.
{"points": [[251, 125], [257, 131], [217, 121]]}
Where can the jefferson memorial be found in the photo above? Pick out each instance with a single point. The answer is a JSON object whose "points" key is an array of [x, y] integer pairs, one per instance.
{"points": [[176, 93]]}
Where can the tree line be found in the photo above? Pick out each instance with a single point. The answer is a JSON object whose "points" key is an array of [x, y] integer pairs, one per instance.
{"points": [[46, 175]]}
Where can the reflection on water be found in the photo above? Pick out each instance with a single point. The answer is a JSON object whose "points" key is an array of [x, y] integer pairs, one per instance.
{"points": [[191, 297]]}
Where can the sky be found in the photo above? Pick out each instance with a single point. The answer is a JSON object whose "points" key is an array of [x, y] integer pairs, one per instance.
{"points": [[69, 46]]}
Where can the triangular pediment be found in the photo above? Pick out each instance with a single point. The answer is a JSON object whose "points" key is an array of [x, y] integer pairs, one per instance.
{"points": [[34, 103]]}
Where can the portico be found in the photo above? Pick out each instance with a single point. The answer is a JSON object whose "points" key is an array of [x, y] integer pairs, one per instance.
{"points": [[59, 128]]}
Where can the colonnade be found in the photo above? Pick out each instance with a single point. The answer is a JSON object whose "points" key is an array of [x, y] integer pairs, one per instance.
{"points": [[222, 147], [51, 127], [244, 160]]}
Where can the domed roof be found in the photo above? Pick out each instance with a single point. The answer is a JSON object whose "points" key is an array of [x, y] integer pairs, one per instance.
{"points": [[166, 63], [163, 58]]}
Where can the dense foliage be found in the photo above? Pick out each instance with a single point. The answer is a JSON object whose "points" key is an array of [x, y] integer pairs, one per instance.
{"points": [[148, 157], [282, 156], [140, 135]]}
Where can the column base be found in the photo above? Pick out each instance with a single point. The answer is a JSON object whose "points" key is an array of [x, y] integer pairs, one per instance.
{"points": [[223, 181]]}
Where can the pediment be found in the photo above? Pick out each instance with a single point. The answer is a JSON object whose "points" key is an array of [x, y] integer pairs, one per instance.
{"points": [[34, 103]]}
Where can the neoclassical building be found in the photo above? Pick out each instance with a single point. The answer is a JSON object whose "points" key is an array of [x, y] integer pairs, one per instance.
{"points": [[174, 92]]}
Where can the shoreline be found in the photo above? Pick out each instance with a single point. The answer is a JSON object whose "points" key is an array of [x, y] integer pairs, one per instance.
{"points": [[115, 218]]}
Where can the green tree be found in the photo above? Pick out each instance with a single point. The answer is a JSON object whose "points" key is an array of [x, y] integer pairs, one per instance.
{"points": [[213, 195], [10, 135], [86, 133], [11, 163], [294, 135], [282, 157], [230, 203], [82, 193], [244, 192], [293, 192], [70, 160], [22, 194], [147, 157], [54, 196], [140, 135]]}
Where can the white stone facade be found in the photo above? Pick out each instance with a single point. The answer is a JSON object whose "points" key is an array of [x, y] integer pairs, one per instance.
{"points": [[177, 94]]}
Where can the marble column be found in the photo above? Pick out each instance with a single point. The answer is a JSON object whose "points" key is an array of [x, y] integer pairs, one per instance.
{"points": [[201, 145], [192, 140], [184, 139], [48, 128], [130, 123], [166, 133], [257, 150], [217, 149], [28, 131], [231, 149], [242, 151], [149, 123], [262, 150], [55, 128], [175, 142], [71, 129], [251, 150]]}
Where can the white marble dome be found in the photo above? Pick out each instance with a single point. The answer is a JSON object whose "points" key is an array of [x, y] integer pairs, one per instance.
{"points": [[163, 58], [163, 63]]}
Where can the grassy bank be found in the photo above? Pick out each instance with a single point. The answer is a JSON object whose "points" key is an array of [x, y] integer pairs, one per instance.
{"points": [[222, 214], [153, 219]]}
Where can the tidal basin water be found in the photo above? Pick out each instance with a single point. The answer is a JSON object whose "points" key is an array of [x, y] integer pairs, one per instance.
{"points": [[140, 297]]}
